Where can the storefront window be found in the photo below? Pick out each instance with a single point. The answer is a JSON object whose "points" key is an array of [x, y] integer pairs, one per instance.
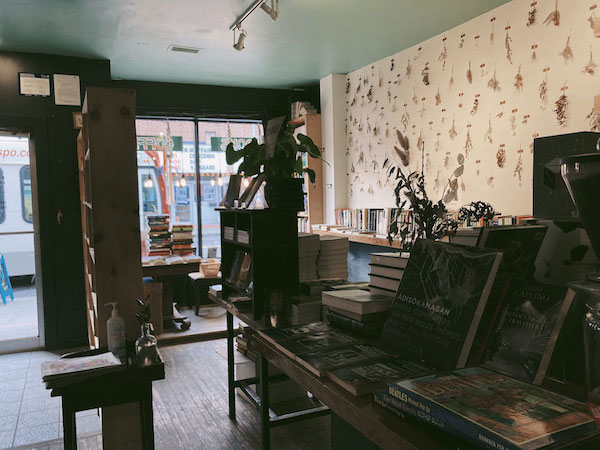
{"points": [[213, 138], [167, 175]]}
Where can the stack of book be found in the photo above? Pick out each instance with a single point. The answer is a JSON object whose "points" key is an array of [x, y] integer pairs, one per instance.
{"points": [[159, 236], [228, 233], [333, 258], [306, 309], [308, 252], [68, 371], [181, 239], [356, 311], [386, 272]]}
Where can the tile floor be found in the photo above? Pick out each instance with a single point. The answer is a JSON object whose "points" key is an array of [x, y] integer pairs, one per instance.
{"points": [[18, 318], [27, 412]]}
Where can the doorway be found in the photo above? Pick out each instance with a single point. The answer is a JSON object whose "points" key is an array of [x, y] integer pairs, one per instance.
{"points": [[21, 318]]}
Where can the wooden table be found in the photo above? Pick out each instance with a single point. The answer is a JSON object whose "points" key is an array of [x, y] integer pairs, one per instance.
{"points": [[380, 426], [132, 384], [165, 272]]}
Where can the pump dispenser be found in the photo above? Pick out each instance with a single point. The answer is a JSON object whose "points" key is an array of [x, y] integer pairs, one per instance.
{"points": [[115, 327]]}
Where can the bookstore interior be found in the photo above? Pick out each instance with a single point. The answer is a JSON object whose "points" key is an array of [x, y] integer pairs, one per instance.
{"points": [[300, 238]]}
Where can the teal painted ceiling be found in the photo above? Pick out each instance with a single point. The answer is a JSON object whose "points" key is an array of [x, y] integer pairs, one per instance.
{"points": [[311, 38]]}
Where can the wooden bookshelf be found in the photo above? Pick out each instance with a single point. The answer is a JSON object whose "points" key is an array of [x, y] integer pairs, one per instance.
{"points": [[361, 238], [310, 125], [108, 193], [273, 247]]}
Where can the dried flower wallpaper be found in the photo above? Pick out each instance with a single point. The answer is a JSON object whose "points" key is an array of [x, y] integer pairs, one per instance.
{"points": [[466, 105]]}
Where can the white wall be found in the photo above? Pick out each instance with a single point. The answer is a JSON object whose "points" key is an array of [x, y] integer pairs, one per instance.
{"points": [[335, 180], [515, 115]]}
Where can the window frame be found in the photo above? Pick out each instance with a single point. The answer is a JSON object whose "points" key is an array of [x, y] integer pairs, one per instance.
{"points": [[22, 171], [198, 119], [2, 197]]}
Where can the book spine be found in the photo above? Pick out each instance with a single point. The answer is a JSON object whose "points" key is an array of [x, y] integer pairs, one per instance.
{"points": [[449, 421], [346, 323]]}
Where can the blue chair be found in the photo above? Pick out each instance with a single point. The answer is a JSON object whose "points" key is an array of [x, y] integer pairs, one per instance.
{"points": [[5, 286]]}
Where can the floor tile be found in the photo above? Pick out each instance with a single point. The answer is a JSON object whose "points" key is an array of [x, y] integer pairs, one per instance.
{"points": [[88, 424], [35, 418], [33, 392], [14, 395], [40, 433], [39, 404], [9, 408], [6, 438], [8, 423], [9, 385]]}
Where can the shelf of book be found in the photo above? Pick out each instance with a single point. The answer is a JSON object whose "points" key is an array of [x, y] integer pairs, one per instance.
{"points": [[269, 261]]}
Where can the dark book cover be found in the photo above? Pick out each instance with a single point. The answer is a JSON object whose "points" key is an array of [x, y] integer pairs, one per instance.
{"points": [[494, 410], [528, 327], [321, 361], [355, 327], [439, 303], [519, 244], [277, 334], [315, 342], [371, 376]]}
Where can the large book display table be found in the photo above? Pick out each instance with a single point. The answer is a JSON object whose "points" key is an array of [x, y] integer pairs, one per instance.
{"points": [[380, 426]]}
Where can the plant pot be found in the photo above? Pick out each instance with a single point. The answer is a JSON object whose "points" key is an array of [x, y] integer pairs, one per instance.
{"points": [[285, 193]]}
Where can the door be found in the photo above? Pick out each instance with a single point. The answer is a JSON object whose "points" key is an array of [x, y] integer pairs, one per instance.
{"points": [[21, 320]]}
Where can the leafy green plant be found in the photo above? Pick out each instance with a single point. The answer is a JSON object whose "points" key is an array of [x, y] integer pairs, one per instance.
{"points": [[285, 162], [429, 220]]}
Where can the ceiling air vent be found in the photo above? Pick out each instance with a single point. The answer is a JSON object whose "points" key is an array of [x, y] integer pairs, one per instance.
{"points": [[182, 49]]}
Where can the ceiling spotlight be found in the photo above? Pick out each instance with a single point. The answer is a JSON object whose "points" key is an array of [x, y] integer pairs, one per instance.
{"points": [[272, 10], [239, 44], [182, 181], [220, 180]]}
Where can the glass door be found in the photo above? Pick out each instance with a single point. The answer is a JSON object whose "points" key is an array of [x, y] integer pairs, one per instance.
{"points": [[21, 319]]}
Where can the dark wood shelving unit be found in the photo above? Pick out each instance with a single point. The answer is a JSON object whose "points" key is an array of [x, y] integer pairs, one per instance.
{"points": [[273, 247]]}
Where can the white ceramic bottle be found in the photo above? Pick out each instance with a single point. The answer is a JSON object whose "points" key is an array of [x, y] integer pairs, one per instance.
{"points": [[115, 327]]}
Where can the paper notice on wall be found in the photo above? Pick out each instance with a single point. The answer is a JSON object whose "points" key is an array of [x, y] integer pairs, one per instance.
{"points": [[66, 90], [34, 84], [597, 27], [273, 127]]}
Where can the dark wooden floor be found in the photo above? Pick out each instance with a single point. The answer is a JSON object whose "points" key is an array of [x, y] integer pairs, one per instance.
{"points": [[190, 409]]}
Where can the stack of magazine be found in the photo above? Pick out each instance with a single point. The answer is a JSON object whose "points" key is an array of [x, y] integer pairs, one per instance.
{"points": [[67, 371]]}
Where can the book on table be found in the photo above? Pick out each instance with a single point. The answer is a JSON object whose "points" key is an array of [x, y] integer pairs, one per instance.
{"points": [[357, 301], [528, 326], [392, 259], [389, 284], [386, 271], [71, 370], [369, 377], [322, 361], [495, 411], [440, 301]]}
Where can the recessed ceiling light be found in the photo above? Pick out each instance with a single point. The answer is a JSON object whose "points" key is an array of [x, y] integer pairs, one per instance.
{"points": [[183, 49]]}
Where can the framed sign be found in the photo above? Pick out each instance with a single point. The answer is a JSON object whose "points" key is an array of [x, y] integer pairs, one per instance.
{"points": [[34, 84]]}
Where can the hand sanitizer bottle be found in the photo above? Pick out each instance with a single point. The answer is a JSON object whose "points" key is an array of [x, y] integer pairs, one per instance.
{"points": [[115, 327]]}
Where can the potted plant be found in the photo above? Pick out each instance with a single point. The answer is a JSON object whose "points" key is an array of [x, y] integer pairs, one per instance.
{"points": [[429, 220], [283, 171]]}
